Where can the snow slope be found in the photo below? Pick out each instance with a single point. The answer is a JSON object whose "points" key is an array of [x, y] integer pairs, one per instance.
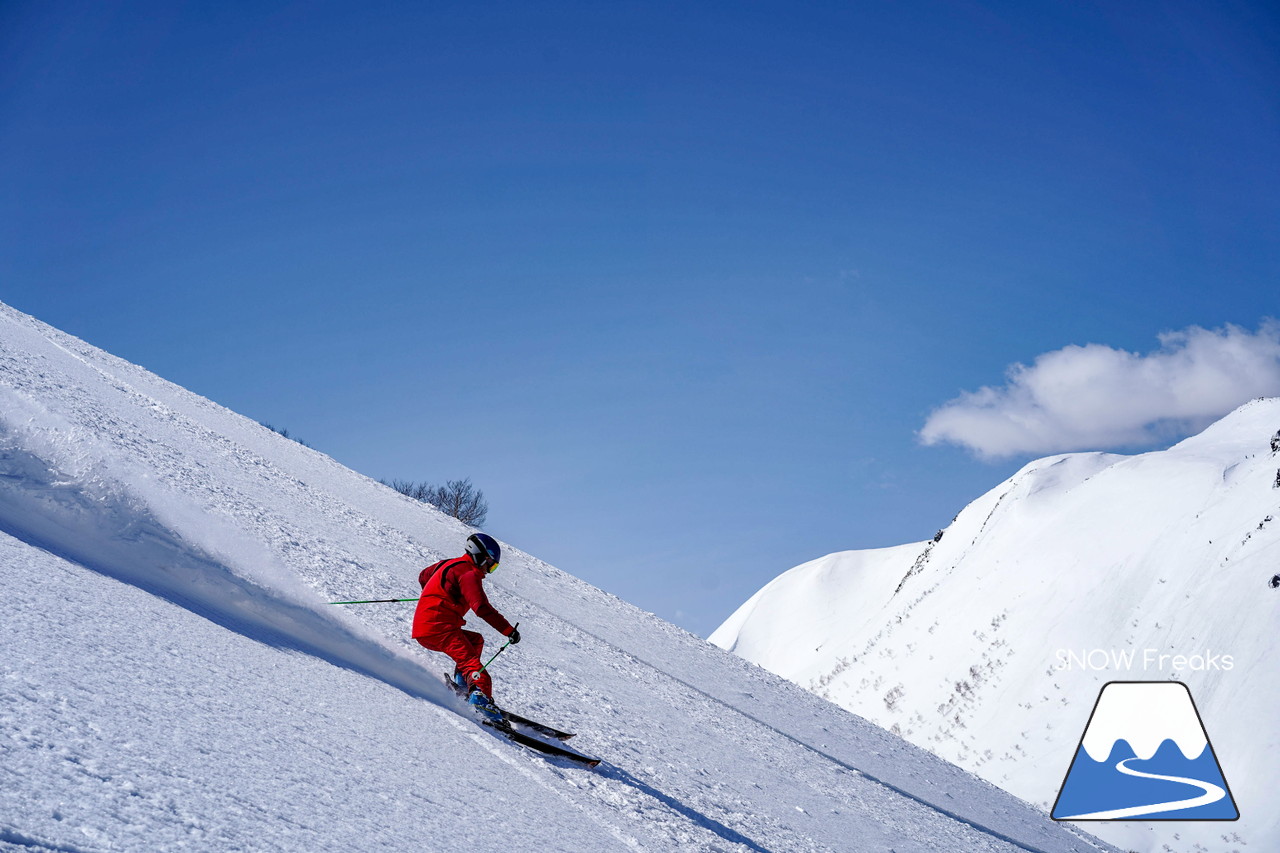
{"points": [[990, 645], [172, 678]]}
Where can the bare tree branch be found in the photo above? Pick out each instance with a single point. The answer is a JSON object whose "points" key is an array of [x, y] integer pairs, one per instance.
{"points": [[459, 498]]}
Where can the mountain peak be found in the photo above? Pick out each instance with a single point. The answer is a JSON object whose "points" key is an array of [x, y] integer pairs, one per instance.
{"points": [[990, 646], [1246, 429]]}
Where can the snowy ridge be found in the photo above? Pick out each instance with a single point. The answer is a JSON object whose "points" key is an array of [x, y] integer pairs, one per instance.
{"points": [[172, 677], [865, 576], [990, 645]]}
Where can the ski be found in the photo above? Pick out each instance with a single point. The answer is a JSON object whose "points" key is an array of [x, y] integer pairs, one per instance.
{"points": [[538, 728], [505, 729], [541, 729]]}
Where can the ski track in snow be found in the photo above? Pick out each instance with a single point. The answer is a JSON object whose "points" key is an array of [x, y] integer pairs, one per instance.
{"points": [[172, 679], [727, 708]]}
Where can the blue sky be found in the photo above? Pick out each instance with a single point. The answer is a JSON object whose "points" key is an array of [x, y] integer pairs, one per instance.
{"points": [[678, 285]]}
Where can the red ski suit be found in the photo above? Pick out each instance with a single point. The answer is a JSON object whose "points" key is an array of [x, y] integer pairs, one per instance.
{"points": [[449, 589]]}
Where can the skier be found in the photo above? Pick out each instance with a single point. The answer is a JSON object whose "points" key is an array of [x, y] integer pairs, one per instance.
{"points": [[449, 589]]}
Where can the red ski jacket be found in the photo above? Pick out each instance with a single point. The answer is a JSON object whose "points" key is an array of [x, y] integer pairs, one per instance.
{"points": [[449, 589]]}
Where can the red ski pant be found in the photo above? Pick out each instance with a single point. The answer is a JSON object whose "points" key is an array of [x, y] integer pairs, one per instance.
{"points": [[465, 647]]}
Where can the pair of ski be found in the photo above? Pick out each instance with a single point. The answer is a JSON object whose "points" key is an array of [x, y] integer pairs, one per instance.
{"points": [[530, 733]]}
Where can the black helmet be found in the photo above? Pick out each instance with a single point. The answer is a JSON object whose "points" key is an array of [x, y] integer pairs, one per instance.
{"points": [[484, 550]]}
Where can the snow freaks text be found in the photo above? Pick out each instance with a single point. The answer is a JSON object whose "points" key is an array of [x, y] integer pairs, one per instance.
{"points": [[1146, 660]]}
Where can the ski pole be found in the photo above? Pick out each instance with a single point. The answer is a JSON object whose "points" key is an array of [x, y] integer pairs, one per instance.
{"points": [[514, 628], [375, 601]]}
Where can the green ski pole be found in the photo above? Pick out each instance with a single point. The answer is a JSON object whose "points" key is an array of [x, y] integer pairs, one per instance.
{"points": [[375, 601], [515, 628]]}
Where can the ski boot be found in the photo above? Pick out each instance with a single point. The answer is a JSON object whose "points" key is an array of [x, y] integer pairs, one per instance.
{"points": [[484, 706], [459, 681]]}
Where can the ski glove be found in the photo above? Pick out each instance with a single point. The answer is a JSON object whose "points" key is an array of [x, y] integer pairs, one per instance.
{"points": [[514, 636]]}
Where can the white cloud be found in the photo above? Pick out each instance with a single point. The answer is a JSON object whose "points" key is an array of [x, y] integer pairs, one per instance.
{"points": [[1095, 397]]}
